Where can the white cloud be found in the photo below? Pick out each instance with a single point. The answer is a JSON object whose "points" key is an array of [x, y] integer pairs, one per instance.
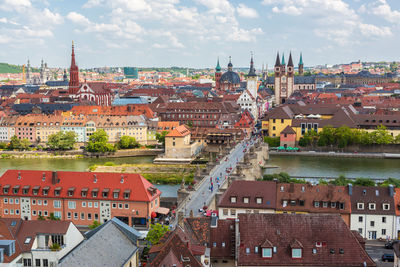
{"points": [[382, 9], [372, 30], [50, 17], [78, 18], [333, 20], [17, 5], [92, 3], [246, 12], [3, 20]]}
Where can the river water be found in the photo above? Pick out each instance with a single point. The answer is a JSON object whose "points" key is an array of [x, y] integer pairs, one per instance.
{"points": [[294, 165]]}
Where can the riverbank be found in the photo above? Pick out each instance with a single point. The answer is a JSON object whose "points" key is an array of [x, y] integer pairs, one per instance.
{"points": [[338, 154], [171, 174], [77, 154]]}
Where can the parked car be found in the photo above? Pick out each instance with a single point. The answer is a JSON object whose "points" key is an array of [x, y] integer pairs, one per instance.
{"points": [[388, 257], [389, 244]]}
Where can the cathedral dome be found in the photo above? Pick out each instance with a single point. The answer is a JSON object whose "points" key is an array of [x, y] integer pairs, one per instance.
{"points": [[230, 77]]}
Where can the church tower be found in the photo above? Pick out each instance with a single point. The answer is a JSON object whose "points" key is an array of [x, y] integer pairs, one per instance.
{"points": [[290, 76], [277, 81], [283, 65], [301, 66], [73, 74], [218, 74], [252, 79], [28, 73]]}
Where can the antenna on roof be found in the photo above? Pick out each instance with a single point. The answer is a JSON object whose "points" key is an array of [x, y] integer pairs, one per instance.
{"points": [[95, 178], [19, 175], [44, 177]]}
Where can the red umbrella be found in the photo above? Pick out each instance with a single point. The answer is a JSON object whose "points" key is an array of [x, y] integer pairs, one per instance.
{"points": [[153, 215]]}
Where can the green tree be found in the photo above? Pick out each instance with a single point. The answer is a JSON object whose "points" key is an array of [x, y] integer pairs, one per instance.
{"points": [[190, 124], [128, 142], [156, 232], [15, 143], [381, 136], [62, 140], [272, 141], [41, 218], [52, 217], [24, 144], [397, 139], [392, 181], [364, 182], [341, 180], [98, 142], [161, 137], [3, 145], [327, 136], [94, 225]]}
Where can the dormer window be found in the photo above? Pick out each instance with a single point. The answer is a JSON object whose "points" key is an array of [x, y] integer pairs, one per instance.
{"points": [[105, 193], [25, 189], [372, 206], [233, 199], [316, 204], [127, 194], [246, 200], [386, 206], [116, 193], [267, 252], [84, 192], [6, 189], [360, 206], [282, 189], [35, 190], [296, 253], [15, 189], [57, 191], [71, 191], [95, 192], [258, 200]]}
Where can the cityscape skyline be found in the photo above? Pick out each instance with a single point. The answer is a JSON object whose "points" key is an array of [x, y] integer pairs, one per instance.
{"points": [[195, 33]]}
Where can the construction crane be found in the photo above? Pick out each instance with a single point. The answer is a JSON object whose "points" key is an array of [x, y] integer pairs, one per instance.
{"points": [[23, 74]]}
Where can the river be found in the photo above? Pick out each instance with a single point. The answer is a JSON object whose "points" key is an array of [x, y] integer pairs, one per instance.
{"points": [[294, 165]]}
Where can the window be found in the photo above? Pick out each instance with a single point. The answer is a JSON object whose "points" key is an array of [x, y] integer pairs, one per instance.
{"points": [[386, 206], [247, 250], [341, 206], [82, 216], [45, 263], [223, 244], [120, 205], [301, 202], [233, 199], [371, 206], [360, 218], [296, 253], [255, 249], [246, 200], [16, 201], [89, 216], [57, 203], [360, 231], [114, 205], [360, 206], [45, 202], [372, 223], [225, 211], [115, 194], [34, 212], [333, 204], [6, 200], [68, 215], [258, 200], [37, 262], [96, 204], [57, 214], [94, 194], [83, 204], [384, 219], [56, 192], [293, 202], [27, 262], [126, 206], [39, 202], [267, 252], [383, 231], [75, 216], [214, 244], [90, 204], [71, 204], [96, 216], [233, 212], [316, 204], [11, 200], [33, 201]]}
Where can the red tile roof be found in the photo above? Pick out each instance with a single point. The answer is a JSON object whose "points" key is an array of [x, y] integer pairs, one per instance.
{"points": [[327, 234], [140, 189], [179, 131]]}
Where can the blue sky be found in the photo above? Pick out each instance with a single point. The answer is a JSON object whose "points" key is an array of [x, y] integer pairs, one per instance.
{"points": [[193, 33]]}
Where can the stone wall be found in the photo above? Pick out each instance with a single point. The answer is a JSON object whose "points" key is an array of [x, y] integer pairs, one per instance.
{"points": [[392, 148]]}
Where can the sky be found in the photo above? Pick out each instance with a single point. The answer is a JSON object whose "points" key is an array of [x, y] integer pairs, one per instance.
{"points": [[194, 33]]}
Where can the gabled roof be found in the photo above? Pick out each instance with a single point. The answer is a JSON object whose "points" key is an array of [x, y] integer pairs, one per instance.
{"points": [[372, 194], [179, 131], [288, 130], [140, 189], [286, 231], [111, 244]]}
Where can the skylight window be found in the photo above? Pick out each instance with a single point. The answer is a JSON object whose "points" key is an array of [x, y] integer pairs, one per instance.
{"points": [[27, 240]]}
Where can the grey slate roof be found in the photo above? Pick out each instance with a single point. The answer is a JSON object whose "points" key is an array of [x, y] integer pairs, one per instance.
{"points": [[111, 244], [297, 80], [230, 77]]}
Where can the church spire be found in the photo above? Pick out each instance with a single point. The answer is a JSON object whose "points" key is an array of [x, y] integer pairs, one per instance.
{"points": [[301, 65], [290, 63], [278, 61], [73, 73], [301, 59], [218, 68], [230, 65], [252, 71], [283, 59]]}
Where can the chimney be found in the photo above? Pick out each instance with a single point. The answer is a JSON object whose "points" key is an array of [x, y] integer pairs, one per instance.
{"points": [[122, 179], [391, 190], [54, 177], [44, 177], [350, 189], [237, 239]]}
